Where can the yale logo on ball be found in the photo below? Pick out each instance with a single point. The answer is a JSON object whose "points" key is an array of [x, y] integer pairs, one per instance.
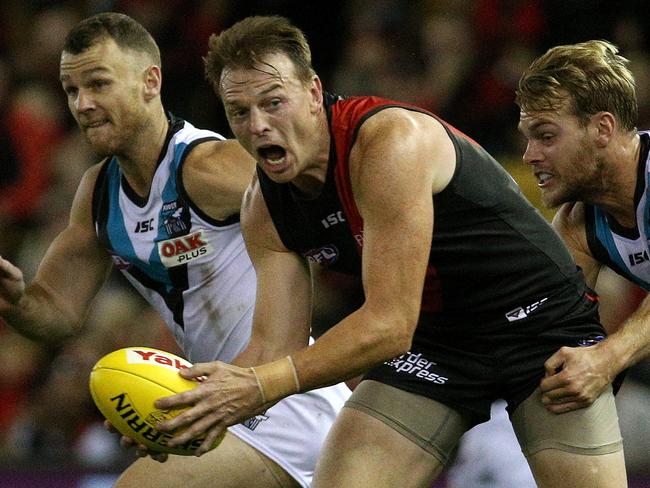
{"points": [[125, 384]]}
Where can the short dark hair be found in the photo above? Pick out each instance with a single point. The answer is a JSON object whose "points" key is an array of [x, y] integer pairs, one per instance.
{"points": [[246, 42], [125, 31], [592, 75]]}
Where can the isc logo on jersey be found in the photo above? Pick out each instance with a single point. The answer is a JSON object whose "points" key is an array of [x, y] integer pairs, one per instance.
{"points": [[181, 250]]}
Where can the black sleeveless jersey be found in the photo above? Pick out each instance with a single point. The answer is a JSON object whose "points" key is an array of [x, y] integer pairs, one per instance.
{"points": [[494, 259]]}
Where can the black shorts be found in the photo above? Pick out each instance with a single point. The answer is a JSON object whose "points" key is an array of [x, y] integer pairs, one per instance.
{"points": [[467, 369]]}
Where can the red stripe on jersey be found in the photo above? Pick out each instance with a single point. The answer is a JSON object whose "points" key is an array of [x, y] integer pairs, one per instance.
{"points": [[346, 117]]}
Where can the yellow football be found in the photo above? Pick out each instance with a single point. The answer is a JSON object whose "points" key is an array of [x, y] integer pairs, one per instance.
{"points": [[125, 384]]}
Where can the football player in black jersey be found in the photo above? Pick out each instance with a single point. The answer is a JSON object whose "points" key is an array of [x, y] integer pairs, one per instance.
{"points": [[468, 290]]}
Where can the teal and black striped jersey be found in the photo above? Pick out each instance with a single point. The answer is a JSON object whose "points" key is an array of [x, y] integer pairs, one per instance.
{"points": [[193, 269], [625, 250]]}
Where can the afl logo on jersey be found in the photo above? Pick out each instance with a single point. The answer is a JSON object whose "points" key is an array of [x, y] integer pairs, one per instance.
{"points": [[181, 250], [325, 255]]}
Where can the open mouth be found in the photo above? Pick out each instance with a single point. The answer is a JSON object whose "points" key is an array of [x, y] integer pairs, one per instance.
{"points": [[543, 178], [273, 155], [94, 124]]}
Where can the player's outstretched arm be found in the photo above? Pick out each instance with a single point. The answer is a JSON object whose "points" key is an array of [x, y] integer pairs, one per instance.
{"points": [[53, 306], [231, 392], [576, 376], [400, 160]]}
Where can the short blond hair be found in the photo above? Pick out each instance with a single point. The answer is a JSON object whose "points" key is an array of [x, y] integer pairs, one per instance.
{"points": [[592, 75]]}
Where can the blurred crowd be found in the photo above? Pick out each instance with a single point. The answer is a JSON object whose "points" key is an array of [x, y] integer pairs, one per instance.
{"points": [[459, 58]]}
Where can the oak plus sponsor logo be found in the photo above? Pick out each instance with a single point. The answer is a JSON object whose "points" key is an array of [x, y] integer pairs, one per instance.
{"points": [[523, 312], [181, 250], [414, 364]]}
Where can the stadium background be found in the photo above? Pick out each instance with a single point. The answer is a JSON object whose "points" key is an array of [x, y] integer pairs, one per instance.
{"points": [[458, 58]]}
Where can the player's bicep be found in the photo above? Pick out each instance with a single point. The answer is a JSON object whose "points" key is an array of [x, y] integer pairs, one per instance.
{"points": [[395, 197], [395, 257], [75, 265]]}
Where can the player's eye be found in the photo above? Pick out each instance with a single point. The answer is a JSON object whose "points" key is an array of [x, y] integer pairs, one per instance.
{"points": [[70, 91]]}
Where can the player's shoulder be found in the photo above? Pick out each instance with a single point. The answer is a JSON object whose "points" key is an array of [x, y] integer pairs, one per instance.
{"points": [[398, 141], [90, 176], [82, 203], [399, 119], [400, 129], [215, 174], [570, 218], [571, 214], [223, 149], [212, 153]]}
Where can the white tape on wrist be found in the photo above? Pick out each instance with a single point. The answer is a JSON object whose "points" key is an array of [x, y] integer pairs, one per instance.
{"points": [[277, 380]]}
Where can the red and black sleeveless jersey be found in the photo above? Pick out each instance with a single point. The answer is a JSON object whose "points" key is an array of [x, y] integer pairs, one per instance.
{"points": [[494, 259]]}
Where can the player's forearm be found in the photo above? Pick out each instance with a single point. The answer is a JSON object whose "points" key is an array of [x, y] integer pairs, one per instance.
{"points": [[261, 350], [631, 343], [342, 353], [345, 351], [41, 316]]}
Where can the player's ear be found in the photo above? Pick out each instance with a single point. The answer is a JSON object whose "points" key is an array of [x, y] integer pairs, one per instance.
{"points": [[605, 124], [316, 92], [152, 82]]}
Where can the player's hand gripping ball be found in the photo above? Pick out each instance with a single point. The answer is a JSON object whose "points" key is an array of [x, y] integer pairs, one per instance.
{"points": [[125, 384]]}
